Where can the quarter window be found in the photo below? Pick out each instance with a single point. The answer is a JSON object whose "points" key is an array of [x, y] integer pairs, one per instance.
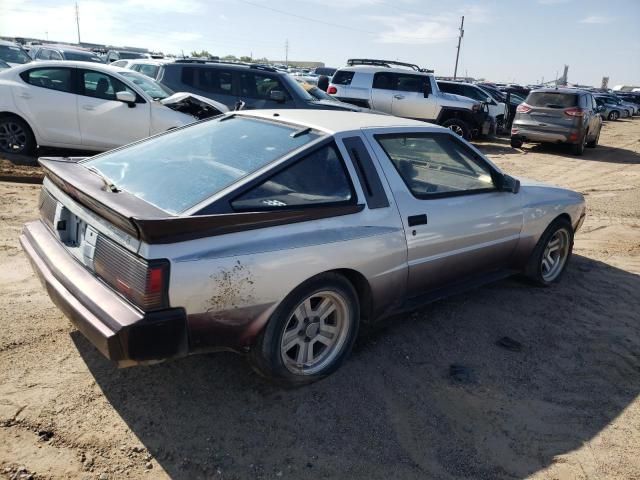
{"points": [[52, 78], [318, 179], [100, 85], [436, 165], [44, 54]]}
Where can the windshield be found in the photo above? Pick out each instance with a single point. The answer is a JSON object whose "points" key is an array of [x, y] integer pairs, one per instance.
{"points": [[179, 169], [130, 55], [149, 85], [295, 86], [13, 54], [552, 99], [82, 56]]}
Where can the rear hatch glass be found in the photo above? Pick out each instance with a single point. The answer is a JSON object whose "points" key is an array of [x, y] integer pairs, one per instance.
{"points": [[179, 169], [552, 100], [342, 77]]}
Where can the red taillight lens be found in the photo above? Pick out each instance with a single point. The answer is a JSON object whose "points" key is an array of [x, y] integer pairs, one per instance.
{"points": [[574, 112], [143, 283], [523, 108], [332, 90]]}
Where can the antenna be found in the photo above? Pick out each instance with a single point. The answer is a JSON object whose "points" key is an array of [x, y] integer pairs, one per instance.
{"points": [[286, 53], [455, 71], [78, 21]]}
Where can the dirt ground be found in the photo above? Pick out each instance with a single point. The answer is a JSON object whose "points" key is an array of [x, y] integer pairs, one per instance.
{"points": [[565, 406]]}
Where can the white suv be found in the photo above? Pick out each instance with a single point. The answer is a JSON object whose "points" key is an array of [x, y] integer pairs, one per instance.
{"points": [[406, 90]]}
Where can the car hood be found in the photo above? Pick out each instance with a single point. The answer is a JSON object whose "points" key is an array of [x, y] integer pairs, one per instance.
{"points": [[457, 98], [194, 105]]}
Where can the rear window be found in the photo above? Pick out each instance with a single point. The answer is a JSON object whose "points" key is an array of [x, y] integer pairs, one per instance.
{"points": [[178, 170], [82, 57], [552, 99], [342, 77]]}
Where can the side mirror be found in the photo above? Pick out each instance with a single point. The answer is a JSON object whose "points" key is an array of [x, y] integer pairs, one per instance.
{"points": [[509, 184], [277, 96], [126, 97]]}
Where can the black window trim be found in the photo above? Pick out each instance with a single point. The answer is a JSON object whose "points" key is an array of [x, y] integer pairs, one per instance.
{"points": [[367, 174], [434, 196]]}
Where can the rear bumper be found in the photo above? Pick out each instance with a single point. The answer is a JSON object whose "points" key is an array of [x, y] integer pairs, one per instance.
{"points": [[120, 331], [530, 134]]}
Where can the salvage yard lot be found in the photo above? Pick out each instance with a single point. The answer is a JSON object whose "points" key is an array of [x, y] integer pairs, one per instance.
{"points": [[564, 405]]}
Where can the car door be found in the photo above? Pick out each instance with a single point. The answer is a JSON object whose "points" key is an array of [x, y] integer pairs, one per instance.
{"points": [[46, 99], [106, 122], [458, 225], [408, 98], [382, 91]]}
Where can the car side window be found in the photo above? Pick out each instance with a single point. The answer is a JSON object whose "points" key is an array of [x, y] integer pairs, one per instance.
{"points": [[148, 70], [55, 55], [212, 80], [384, 81], [320, 178], [410, 83], [119, 63], [435, 165], [255, 85], [100, 85], [52, 78], [43, 54]]}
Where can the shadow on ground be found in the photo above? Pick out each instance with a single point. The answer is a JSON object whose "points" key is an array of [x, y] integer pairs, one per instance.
{"points": [[393, 411]]}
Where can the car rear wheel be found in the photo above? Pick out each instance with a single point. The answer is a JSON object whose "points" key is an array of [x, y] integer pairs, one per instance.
{"points": [[515, 143], [16, 136], [551, 254], [594, 143], [614, 115], [578, 148], [311, 333], [459, 127]]}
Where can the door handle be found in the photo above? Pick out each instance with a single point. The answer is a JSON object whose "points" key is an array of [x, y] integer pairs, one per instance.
{"points": [[417, 220], [25, 95], [398, 97], [88, 107]]}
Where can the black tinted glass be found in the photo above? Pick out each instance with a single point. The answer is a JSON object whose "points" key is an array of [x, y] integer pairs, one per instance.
{"points": [[342, 77], [51, 78], [552, 99]]}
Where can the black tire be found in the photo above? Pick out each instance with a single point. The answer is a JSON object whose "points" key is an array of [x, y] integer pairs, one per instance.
{"points": [[15, 130], [594, 143], [266, 355], [515, 143], [613, 115], [459, 127], [578, 148], [534, 268]]}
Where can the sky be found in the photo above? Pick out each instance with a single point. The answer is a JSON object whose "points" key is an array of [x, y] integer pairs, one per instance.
{"points": [[522, 41]]}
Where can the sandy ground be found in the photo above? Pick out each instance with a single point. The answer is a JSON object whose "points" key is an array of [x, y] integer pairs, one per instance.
{"points": [[565, 406]]}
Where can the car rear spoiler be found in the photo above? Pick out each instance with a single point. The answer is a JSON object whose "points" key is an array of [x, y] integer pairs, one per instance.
{"points": [[155, 226]]}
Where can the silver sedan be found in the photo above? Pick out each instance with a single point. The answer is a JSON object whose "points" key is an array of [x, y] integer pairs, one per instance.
{"points": [[277, 233]]}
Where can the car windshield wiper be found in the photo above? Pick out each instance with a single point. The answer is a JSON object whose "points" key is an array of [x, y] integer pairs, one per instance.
{"points": [[108, 183]]}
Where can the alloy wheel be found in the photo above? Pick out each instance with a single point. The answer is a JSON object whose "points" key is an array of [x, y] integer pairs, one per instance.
{"points": [[315, 333], [457, 129], [555, 255], [13, 138]]}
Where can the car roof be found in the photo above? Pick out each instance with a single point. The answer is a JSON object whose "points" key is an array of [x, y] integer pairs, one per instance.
{"points": [[377, 68], [576, 91], [69, 63], [9, 44], [335, 121]]}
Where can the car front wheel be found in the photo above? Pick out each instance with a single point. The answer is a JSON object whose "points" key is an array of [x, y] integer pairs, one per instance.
{"points": [[311, 333], [515, 143], [459, 127], [613, 115], [551, 254], [16, 136]]}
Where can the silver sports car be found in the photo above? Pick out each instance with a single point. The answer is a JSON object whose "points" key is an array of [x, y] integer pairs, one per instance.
{"points": [[276, 233]]}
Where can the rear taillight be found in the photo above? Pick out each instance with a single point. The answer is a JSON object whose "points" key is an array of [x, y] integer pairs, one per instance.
{"points": [[332, 90], [145, 283], [574, 112], [523, 108]]}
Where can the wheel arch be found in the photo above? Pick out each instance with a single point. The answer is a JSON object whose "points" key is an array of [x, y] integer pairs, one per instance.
{"points": [[363, 289], [20, 117]]}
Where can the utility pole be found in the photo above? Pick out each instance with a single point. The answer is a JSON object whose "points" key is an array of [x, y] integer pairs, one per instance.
{"points": [[78, 21], [286, 53], [455, 71]]}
